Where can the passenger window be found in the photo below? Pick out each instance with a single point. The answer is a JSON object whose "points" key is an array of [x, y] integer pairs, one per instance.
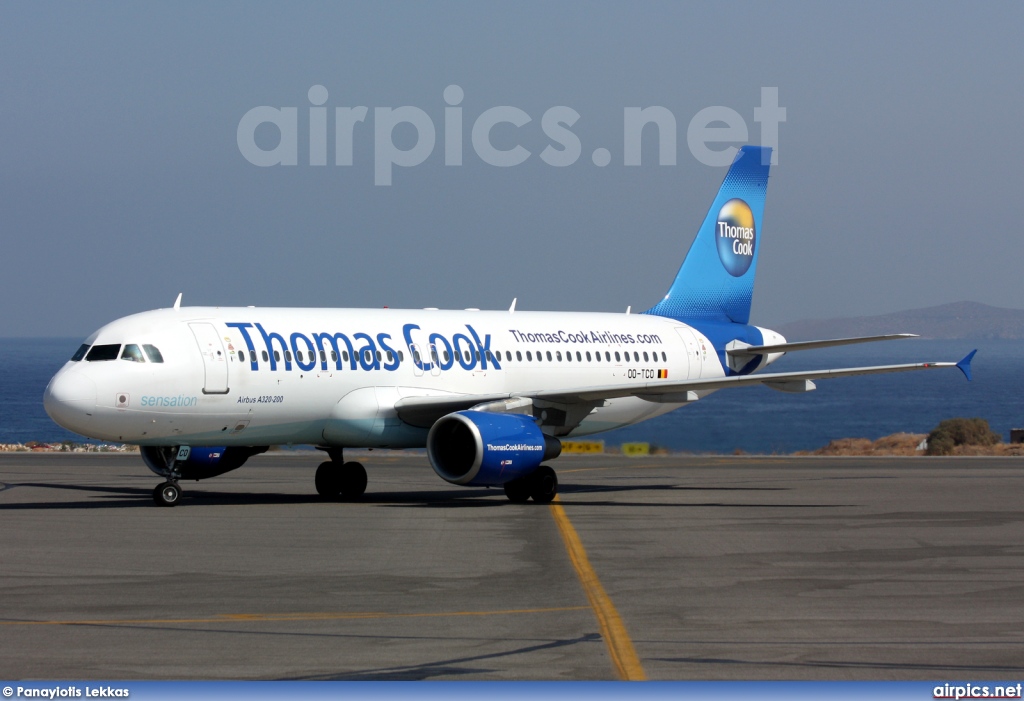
{"points": [[367, 357], [133, 353], [80, 353], [241, 356], [664, 357], [645, 356], [252, 356], [277, 356], [508, 356], [401, 356], [447, 356], [344, 356], [416, 356], [558, 356], [528, 356], [265, 357], [549, 356], [519, 355], [588, 356], [287, 356], [617, 359], [298, 355], [433, 354], [608, 356], [468, 360], [104, 352], [334, 356]]}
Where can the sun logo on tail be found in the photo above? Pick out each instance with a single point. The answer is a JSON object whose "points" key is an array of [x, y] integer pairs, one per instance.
{"points": [[736, 236]]}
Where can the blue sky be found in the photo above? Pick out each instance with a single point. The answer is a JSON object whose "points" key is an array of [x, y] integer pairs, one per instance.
{"points": [[123, 182]]}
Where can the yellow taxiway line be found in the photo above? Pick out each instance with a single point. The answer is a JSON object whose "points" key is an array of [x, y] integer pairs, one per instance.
{"points": [[613, 630]]}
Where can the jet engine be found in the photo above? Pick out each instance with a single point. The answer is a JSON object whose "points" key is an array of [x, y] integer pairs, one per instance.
{"points": [[477, 448]]}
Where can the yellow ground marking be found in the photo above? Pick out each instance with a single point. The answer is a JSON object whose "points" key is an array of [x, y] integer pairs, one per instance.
{"points": [[620, 647], [274, 617]]}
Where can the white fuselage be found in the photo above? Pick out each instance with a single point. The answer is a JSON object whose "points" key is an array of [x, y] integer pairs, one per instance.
{"points": [[248, 376]]}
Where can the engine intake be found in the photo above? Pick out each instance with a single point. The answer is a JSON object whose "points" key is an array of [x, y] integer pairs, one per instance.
{"points": [[477, 448]]}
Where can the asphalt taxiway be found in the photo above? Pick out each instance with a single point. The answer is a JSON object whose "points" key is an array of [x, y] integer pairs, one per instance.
{"points": [[659, 568]]}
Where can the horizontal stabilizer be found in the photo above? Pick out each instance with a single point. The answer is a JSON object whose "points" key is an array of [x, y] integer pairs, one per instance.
{"points": [[746, 351]]}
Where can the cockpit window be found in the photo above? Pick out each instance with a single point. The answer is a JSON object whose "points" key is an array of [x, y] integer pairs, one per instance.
{"points": [[80, 353], [104, 352], [134, 353], [154, 353]]}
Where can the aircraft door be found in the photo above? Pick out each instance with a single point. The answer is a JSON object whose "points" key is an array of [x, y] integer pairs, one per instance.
{"points": [[417, 360], [215, 362], [692, 352]]}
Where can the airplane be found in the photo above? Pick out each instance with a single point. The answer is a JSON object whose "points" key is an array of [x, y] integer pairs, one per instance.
{"points": [[489, 394]]}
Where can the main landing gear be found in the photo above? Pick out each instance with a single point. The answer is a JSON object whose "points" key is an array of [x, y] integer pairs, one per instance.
{"points": [[338, 479], [541, 485]]}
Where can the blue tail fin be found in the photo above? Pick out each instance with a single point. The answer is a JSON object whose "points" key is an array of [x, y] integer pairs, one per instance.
{"points": [[716, 280]]}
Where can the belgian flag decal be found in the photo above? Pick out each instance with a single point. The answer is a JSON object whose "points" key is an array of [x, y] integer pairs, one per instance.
{"points": [[662, 374]]}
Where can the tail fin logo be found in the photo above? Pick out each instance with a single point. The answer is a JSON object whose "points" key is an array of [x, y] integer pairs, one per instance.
{"points": [[736, 236]]}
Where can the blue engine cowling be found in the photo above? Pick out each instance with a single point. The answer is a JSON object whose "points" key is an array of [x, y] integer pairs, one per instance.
{"points": [[477, 448]]}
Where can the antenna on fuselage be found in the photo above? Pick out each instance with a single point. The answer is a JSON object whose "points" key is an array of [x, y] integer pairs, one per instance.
{"points": [[177, 302], [512, 309], [629, 309]]}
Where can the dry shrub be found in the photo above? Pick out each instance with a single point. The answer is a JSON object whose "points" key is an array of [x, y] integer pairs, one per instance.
{"points": [[896, 444], [846, 446], [953, 433]]}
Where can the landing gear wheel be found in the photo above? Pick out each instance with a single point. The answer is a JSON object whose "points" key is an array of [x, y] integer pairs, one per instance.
{"points": [[543, 485], [167, 494], [518, 490], [328, 480], [352, 482]]}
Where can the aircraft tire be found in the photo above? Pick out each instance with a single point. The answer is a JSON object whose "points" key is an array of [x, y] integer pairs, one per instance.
{"points": [[518, 491], [167, 494], [352, 481], [328, 480], [543, 485]]}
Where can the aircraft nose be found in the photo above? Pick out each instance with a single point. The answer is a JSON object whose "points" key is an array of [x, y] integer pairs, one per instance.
{"points": [[70, 399]]}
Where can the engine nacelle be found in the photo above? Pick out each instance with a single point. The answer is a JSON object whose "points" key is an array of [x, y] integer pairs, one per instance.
{"points": [[203, 462], [478, 448]]}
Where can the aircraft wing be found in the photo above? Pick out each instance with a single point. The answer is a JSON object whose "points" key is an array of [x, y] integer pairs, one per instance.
{"points": [[423, 411], [745, 350], [784, 381]]}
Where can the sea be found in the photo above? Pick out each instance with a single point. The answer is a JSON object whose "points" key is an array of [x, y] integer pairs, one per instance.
{"points": [[754, 420]]}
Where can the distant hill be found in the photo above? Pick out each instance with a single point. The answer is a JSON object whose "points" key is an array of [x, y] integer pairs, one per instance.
{"points": [[960, 320]]}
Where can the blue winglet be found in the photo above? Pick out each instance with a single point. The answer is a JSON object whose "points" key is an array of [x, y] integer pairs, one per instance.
{"points": [[965, 364]]}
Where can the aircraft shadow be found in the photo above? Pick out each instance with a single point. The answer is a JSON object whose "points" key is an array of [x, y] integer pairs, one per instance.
{"points": [[141, 497]]}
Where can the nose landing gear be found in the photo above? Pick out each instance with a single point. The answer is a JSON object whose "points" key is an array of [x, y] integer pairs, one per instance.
{"points": [[167, 494]]}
